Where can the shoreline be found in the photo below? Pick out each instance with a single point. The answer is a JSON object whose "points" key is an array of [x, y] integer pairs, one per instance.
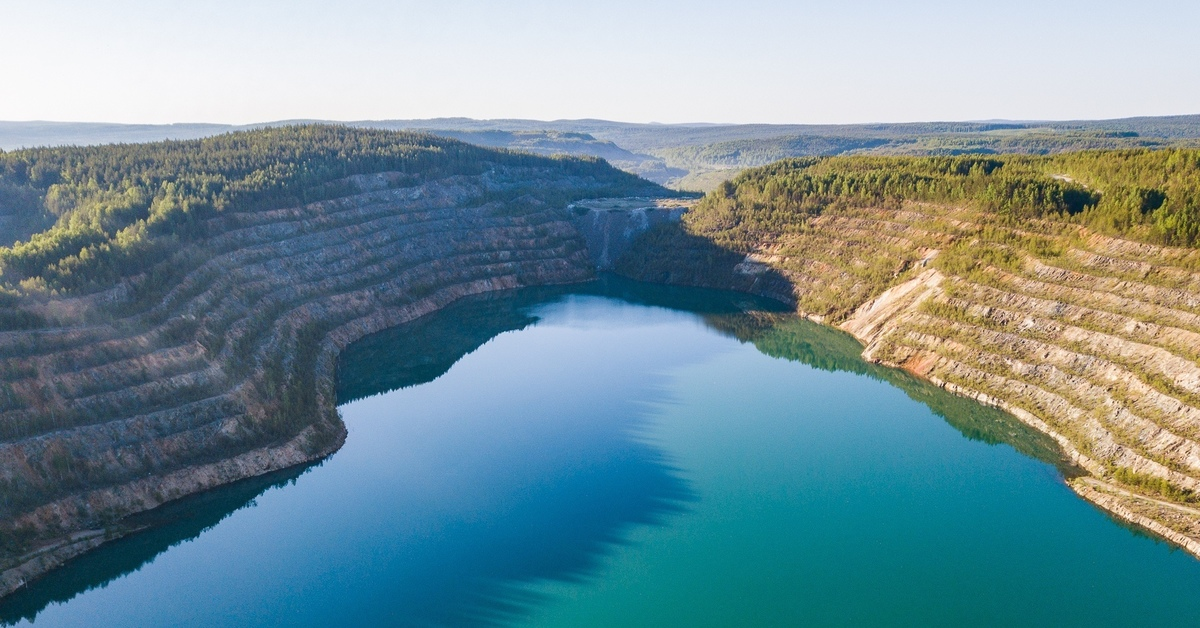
{"points": [[54, 555], [869, 323]]}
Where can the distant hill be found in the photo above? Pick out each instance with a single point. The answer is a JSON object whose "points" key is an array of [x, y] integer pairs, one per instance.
{"points": [[695, 156], [14, 135], [566, 143]]}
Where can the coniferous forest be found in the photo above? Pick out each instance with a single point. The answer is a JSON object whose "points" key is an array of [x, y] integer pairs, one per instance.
{"points": [[100, 213], [1147, 195]]}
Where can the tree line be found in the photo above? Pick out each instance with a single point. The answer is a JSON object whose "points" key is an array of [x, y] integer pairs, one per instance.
{"points": [[1147, 195]]}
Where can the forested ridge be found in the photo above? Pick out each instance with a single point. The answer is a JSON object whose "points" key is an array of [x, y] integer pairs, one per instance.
{"points": [[760, 152], [1146, 195], [116, 210], [747, 153]]}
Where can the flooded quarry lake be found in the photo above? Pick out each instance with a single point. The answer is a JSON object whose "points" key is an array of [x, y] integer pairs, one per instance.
{"points": [[617, 454]]}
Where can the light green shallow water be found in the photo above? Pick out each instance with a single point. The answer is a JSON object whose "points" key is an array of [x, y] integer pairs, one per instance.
{"points": [[618, 462]]}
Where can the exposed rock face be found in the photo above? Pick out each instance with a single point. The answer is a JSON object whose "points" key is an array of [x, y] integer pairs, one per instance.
{"points": [[232, 374], [668, 254], [1094, 341], [610, 226]]}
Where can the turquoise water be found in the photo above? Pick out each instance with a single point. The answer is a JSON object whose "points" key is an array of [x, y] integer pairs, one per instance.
{"points": [[620, 455]]}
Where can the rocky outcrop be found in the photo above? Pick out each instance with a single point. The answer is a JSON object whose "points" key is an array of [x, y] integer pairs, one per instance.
{"points": [[231, 372], [610, 226]]}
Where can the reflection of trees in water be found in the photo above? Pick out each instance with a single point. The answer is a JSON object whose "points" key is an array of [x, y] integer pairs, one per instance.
{"points": [[165, 527], [478, 572], [828, 349]]}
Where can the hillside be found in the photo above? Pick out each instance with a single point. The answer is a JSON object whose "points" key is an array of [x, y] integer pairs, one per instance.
{"points": [[699, 156], [177, 327], [1064, 289], [568, 143]]}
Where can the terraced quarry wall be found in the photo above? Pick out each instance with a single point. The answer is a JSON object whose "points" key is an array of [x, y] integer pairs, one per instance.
{"points": [[218, 364], [1090, 339], [232, 374]]}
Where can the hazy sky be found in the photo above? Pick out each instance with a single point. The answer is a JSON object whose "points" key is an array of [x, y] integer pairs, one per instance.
{"points": [[641, 60]]}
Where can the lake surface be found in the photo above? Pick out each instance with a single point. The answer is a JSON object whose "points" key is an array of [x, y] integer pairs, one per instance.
{"points": [[619, 455]]}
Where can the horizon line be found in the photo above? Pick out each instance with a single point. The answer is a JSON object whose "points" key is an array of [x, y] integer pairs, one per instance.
{"points": [[285, 121]]}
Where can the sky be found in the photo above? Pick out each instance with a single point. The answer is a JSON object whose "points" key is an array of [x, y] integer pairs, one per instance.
{"points": [[848, 61]]}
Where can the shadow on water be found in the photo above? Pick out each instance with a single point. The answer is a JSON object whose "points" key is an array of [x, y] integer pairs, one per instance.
{"points": [[580, 495], [477, 574], [423, 350], [801, 340], [165, 527]]}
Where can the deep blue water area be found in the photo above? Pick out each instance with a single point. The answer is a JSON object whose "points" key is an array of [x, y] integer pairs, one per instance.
{"points": [[619, 454]]}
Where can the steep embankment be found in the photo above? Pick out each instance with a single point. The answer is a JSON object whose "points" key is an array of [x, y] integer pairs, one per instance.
{"points": [[1089, 338], [229, 374], [611, 226]]}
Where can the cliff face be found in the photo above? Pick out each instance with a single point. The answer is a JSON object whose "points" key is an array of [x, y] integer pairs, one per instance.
{"points": [[232, 375], [1090, 339], [611, 226]]}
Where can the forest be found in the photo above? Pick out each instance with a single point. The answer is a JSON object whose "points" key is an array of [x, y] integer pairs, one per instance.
{"points": [[1147, 195], [87, 216]]}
